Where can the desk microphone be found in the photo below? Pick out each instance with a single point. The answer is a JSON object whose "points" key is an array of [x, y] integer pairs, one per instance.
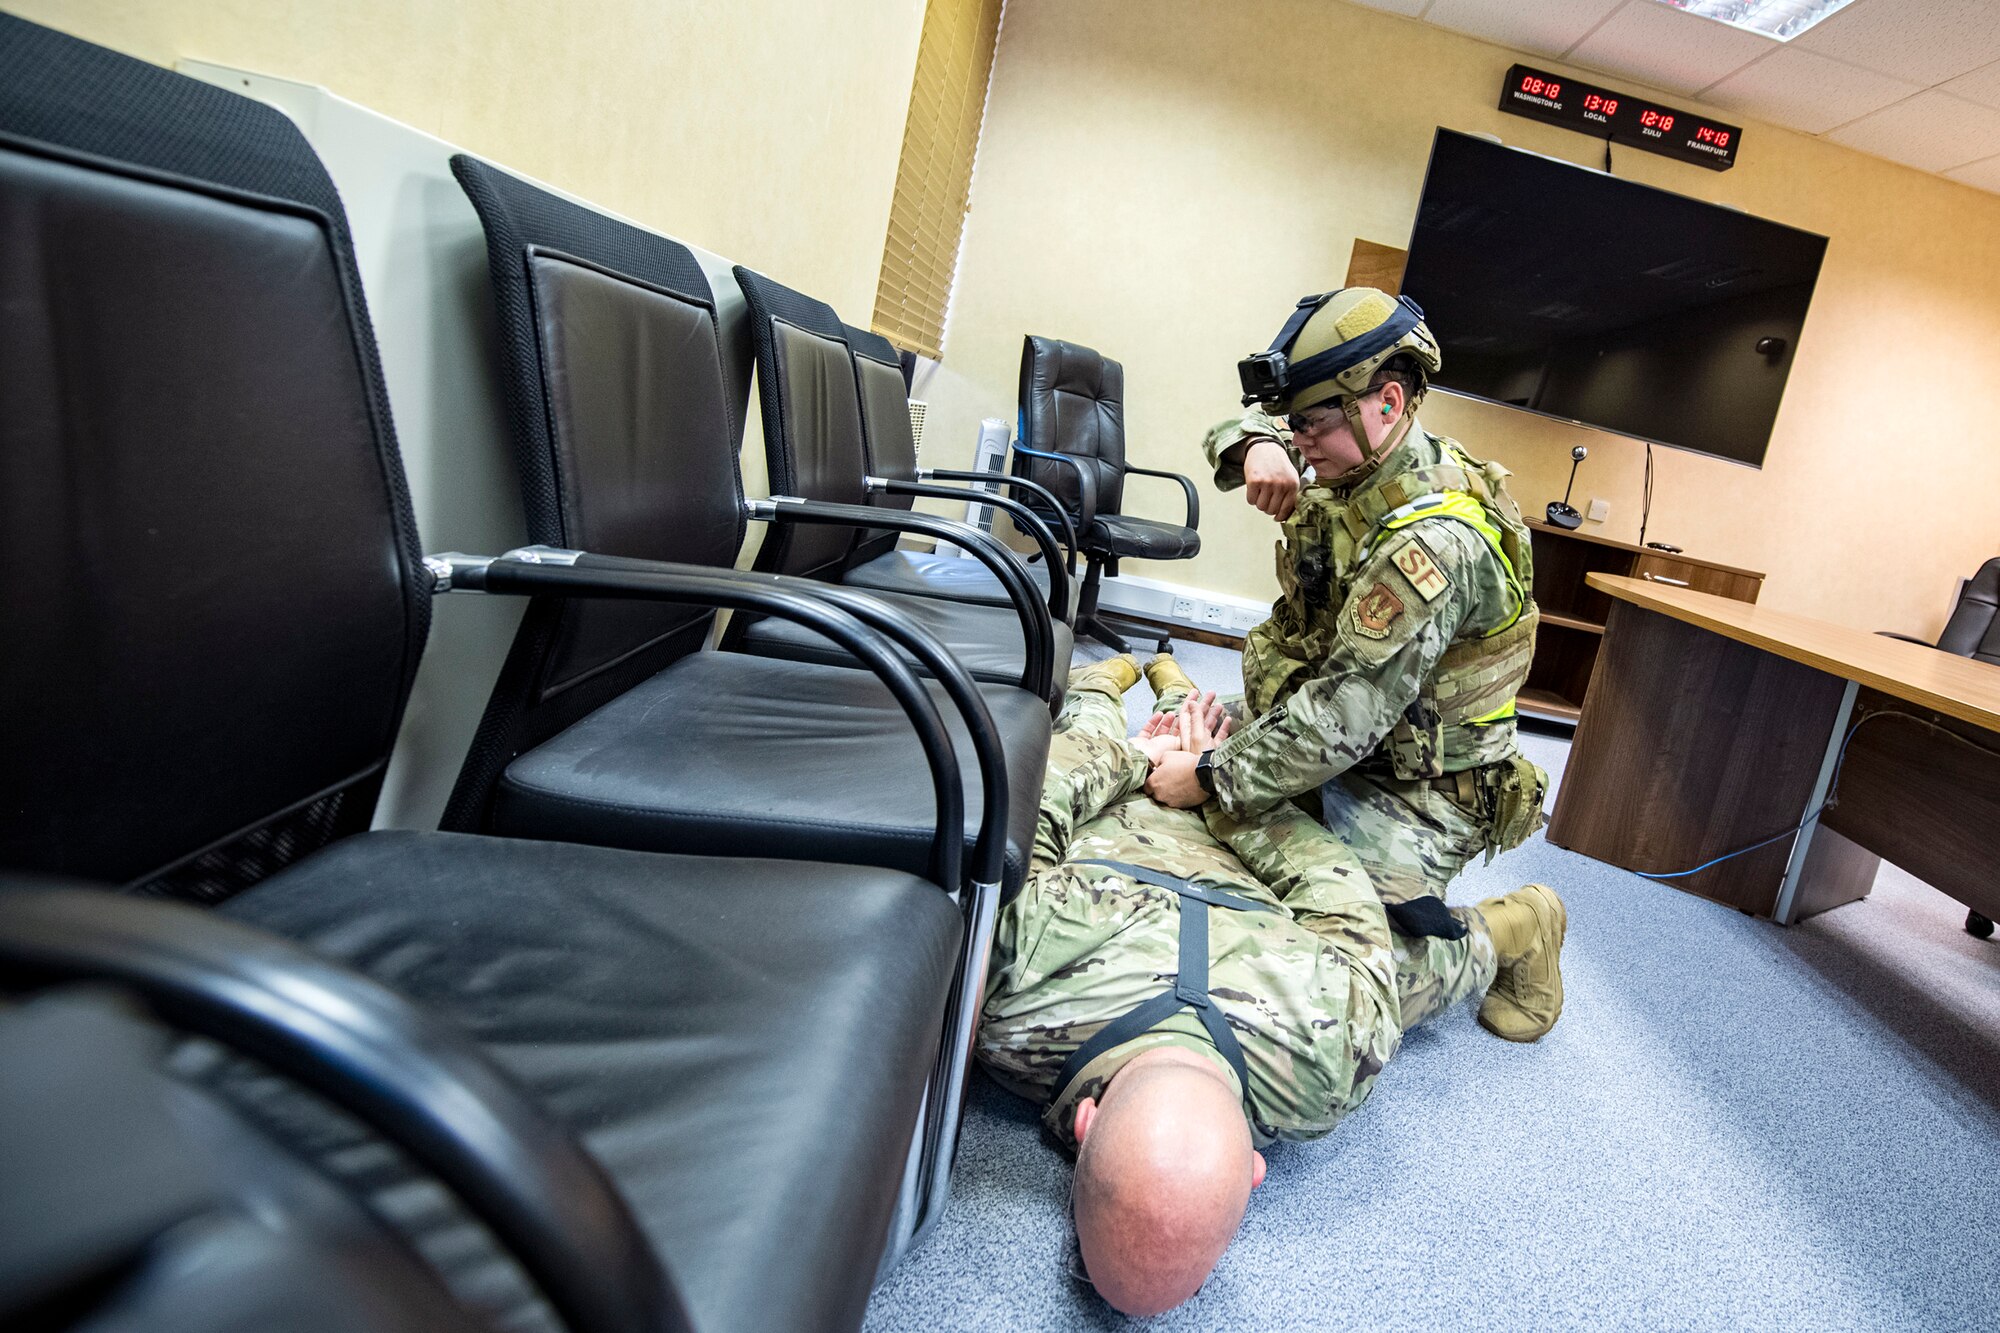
{"points": [[1560, 513]]}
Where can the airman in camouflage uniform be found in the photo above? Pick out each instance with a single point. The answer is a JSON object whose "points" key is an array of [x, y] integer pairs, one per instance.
{"points": [[1386, 674], [1317, 990]]}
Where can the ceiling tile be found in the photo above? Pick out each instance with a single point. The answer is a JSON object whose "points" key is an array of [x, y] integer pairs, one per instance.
{"points": [[1669, 49], [1984, 175], [1550, 27], [1805, 91], [1981, 86], [1407, 8], [1931, 131], [1924, 41]]}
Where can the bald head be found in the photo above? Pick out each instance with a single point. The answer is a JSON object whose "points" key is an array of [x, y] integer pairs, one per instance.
{"points": [[1164, 1168]]}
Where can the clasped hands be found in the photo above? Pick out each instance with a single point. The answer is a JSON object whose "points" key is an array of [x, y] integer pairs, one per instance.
{"points": [[1174, 741]]}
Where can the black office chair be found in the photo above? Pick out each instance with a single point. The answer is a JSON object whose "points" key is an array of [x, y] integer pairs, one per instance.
{"points": [[214, 609], [1973, 631], [1072, 442], [814, 444]]}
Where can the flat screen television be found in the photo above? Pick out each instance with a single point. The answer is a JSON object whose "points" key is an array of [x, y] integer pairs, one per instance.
{"points": [[1574, 294]]}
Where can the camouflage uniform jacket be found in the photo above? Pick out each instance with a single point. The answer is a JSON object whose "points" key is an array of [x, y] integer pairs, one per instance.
{"points": [[1309, 990], [1362, 629]]}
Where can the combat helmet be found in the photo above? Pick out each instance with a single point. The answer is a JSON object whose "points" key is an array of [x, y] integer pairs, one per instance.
{"points": [[1331, 348]]}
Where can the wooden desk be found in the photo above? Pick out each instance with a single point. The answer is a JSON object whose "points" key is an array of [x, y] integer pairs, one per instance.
{"points": [[1573, 612], [1712, 723]]}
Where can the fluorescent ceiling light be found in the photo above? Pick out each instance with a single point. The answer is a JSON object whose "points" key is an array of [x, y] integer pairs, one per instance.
{"points": [[1782, 19]]}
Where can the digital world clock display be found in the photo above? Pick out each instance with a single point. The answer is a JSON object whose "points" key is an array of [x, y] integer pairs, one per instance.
{"points": [[1580, 106]]}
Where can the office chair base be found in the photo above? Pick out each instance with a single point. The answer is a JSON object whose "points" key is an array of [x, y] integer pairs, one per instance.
{"points": [[1105, 632]]}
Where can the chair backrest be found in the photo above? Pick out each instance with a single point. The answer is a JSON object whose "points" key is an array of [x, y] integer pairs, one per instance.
{"points": [[812, 421], [1974, 629], [214, 600], [890, 443], [623, 435], [1073, 402]]}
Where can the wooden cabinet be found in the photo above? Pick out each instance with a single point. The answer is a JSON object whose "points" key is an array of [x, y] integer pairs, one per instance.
{"points": [[1573, 614]]}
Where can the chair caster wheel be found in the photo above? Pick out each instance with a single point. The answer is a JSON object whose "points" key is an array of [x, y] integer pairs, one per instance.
{"points": [[1979, 927]]}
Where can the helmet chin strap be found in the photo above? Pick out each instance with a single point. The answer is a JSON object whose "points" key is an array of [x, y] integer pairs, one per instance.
{"points": [[1350, 407]]}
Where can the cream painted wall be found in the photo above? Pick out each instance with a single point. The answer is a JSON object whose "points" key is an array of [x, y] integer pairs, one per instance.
{"points": [[1154, 181], [765, 130]]}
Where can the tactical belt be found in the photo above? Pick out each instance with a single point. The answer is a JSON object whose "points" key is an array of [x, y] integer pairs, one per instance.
{"points": [[1190, 988]]}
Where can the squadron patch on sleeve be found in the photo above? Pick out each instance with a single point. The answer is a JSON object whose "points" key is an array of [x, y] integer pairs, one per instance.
{"points": [[1414, 560], [1376, 610]]}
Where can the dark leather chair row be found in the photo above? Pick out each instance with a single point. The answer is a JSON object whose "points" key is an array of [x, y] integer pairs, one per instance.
{"points": [[684, 1047]]}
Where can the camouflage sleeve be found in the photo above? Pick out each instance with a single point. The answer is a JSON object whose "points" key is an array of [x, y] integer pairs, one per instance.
{"points": [[1406, 605], [1086, 773], [1220, 445]]}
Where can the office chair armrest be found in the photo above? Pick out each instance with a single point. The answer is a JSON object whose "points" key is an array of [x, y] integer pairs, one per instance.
{"points": [[1035, 488], [1038, 666], [372, 1053], [548, 571], [1187, 489], [1906, 638], [1086, 485], [989, 847], [1025, 517]]}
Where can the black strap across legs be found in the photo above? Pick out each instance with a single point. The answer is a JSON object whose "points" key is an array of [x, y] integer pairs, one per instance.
{"points": [[1190, 988]]}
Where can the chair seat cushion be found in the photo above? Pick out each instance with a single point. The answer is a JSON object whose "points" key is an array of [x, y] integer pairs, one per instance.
{"points": [[742, 1043], [723, 751], [1122, 534], [988, 640], [925, 574]]}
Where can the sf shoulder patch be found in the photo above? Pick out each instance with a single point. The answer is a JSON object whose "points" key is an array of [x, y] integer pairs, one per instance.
{"points": [[1376, 610], [1414, 561]]}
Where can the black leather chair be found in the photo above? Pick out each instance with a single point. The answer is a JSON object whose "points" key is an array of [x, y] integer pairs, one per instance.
{"points": [[1973, 631], [814, 443], [894, 479], [609, 724], [1072, 442], [214, 609]]}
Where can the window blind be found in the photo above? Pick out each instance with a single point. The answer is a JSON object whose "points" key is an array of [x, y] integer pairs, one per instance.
{"points": [[934, 177]]}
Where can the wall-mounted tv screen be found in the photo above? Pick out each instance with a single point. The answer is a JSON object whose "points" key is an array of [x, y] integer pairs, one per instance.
{"points": [[1575, 294]]}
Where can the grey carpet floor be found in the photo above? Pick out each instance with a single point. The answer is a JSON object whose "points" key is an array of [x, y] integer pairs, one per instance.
{"points": [[1734, 1126]]}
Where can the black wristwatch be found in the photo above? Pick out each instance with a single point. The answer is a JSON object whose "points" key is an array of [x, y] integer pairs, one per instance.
{"points": [[1204, 771]]}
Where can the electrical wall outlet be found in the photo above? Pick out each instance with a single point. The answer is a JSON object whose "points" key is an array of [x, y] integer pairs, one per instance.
{"points": [[1184, 608], [1600, 510], [1247, 617], [1212, 613]]}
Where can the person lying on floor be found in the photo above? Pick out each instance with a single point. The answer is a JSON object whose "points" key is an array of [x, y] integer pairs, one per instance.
{"points": [[1182, 987]]}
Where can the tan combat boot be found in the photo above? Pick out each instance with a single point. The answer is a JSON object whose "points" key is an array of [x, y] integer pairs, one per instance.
{"points": [[1163, 673], [1526, 997], [1114, 675]]}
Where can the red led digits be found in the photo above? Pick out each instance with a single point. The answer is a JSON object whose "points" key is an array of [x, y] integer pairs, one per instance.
{"points": [[1540, 87]]}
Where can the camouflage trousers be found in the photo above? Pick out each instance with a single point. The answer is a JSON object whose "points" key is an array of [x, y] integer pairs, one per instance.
{"points": [[1411, 839], [1399, 851]]}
